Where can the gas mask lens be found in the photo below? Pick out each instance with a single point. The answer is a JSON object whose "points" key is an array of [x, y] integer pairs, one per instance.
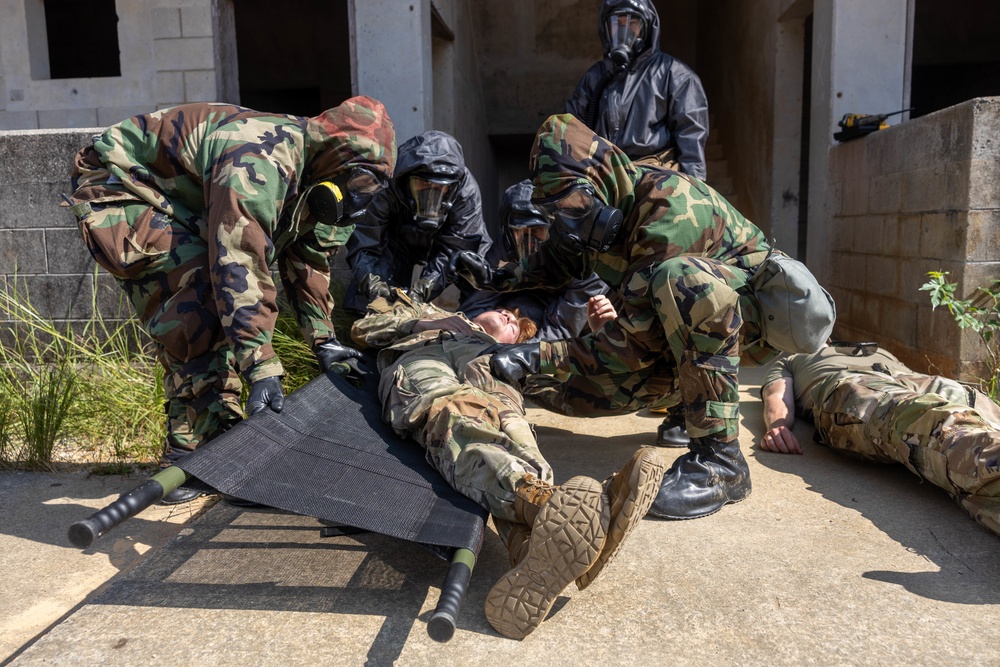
{"points": [[431, 197], [574, 205], [624, 30], [526, 234]]}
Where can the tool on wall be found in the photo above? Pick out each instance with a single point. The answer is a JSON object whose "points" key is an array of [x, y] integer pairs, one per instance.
{"points": [[858, 125]]}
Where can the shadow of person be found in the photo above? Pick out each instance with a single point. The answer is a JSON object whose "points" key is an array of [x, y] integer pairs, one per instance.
{"points": [[917, 515]]}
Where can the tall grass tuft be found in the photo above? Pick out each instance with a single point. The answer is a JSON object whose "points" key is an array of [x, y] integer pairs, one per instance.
{"points": [[96, 388]]}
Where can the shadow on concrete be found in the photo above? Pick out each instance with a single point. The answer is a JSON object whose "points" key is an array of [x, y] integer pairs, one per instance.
{"points": [[918, 515], [270, 560], [47, 503]]}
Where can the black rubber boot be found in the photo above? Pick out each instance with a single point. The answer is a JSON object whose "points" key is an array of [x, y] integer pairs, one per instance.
{"points": [[672, 432], [701, 482]]}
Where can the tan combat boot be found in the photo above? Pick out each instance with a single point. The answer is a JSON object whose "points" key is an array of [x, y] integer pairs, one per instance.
{"points": [[630, 493], [568, 527]]}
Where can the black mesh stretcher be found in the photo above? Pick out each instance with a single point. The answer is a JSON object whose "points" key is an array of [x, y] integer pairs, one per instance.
{"points": [[328, 455]]}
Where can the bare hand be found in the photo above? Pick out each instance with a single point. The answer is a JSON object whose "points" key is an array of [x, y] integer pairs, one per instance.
{"points": [[780, 439], [453, 323], [600, 312]]}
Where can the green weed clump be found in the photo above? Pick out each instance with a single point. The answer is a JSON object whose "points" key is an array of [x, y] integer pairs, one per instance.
{"points": [[96, 389], [980, 313]]}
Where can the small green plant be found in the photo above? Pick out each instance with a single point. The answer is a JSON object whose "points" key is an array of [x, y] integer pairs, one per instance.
{"points": [[981, 313]]}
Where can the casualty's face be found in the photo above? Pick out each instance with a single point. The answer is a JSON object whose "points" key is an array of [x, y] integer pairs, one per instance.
{"points": [[500, 323]]}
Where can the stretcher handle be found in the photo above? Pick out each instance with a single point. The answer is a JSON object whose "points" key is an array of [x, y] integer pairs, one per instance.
{"points": [[441, 627], [83, 533]]}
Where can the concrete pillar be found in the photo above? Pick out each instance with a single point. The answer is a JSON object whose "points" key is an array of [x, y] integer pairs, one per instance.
{"points": [[391, 56], [860, 65]]}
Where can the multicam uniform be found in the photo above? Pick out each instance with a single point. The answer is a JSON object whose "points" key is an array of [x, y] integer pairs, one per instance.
{"points": [[436, 388], [681, 263], [941, 430], [188, 207]]}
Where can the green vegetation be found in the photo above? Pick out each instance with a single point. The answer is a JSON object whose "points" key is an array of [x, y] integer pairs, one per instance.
{"points": [[94, 391], [981, 313]]}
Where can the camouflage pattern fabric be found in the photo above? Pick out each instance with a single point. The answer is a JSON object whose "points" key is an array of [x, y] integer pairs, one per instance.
{"points": [[437, 389], [189, 207], [680, 263], [924, 422]]}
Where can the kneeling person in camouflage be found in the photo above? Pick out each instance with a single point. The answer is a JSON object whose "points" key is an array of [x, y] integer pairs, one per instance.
{"points": [[436, 388]]}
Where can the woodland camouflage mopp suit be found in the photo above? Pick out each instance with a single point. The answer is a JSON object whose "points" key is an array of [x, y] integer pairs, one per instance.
{"points": [[189, 206], [680, 260], [436, 387]]}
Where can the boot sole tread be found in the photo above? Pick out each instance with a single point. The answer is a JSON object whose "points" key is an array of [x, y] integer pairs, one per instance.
{"points": [[626, 512], [566, 539]]}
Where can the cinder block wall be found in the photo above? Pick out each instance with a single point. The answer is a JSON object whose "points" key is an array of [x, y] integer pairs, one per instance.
{"points": [[921, 196], [39, 241]]}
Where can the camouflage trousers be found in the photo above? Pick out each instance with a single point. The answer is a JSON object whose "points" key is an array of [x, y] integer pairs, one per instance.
{"points": [[472, 426], [936, 427], [693, 315], [163, 267]]}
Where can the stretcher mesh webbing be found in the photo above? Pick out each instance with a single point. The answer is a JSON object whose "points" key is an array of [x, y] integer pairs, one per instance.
{"points": [[329, 455]]}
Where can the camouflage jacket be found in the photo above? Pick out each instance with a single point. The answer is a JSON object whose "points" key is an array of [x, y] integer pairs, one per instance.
{"points": [[238, 178], [388, 325], [667, 214]]}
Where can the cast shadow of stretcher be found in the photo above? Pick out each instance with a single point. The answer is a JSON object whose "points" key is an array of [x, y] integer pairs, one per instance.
{"points": [[916, 514]]}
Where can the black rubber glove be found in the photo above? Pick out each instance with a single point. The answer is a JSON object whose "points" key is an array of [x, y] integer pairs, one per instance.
{"points": [[266, 393], [332, 351], [470, 267], [512, 363], [422, 290], [373, 287]]}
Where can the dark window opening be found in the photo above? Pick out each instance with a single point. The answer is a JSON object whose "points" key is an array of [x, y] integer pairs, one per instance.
{"points": [[296, 60], [804, 146], [956, 55], [70, 24]]}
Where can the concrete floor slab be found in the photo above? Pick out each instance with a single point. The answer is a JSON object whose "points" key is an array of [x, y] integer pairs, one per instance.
{"points": [[829, 562]]}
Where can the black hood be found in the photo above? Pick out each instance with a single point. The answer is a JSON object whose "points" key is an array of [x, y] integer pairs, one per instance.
{"points": [[432, 152], [648, 13]]}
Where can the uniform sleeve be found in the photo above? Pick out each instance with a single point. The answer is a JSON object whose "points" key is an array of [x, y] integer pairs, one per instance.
{"points": [[687, 118], [464, 229], [245, 190], [779, 369], [305, 273], [629, 343], [387, 322]]}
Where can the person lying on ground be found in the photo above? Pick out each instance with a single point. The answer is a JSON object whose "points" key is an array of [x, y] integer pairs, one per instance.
{"points": [[867, 404], [436, 388]]}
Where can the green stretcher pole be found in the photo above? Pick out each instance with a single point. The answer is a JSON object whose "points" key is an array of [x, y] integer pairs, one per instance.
{"points": [[83, 533], [441, 627]]}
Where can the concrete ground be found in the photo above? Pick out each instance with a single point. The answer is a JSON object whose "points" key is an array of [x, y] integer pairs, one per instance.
{"points": [[829, 562]]}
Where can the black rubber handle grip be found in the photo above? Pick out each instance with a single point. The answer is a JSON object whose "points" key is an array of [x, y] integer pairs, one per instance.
{"points": [[441, 627], [83, 533]]}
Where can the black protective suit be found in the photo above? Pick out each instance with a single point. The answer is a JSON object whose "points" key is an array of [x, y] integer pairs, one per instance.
{"points": [[559, 313], [388, 243], [657, 104]]}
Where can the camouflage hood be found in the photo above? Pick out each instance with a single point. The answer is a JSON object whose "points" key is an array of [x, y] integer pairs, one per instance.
{"points": [[357, 132], [566, 152]]}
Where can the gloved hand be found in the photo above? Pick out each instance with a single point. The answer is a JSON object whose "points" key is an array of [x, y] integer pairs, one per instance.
{"points": [[266, 393], [373, 287], [422, 290], [465, 263], [330, 351], [512, 363]]}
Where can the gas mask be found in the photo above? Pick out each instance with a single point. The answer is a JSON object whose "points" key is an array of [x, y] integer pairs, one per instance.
{"points": [[431, 198], [625, 37], [580, 222], [343, 200]]}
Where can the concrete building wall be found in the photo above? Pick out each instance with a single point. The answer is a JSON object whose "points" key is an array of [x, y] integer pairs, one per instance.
{"points": [[172, 51], [914, 198]]}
